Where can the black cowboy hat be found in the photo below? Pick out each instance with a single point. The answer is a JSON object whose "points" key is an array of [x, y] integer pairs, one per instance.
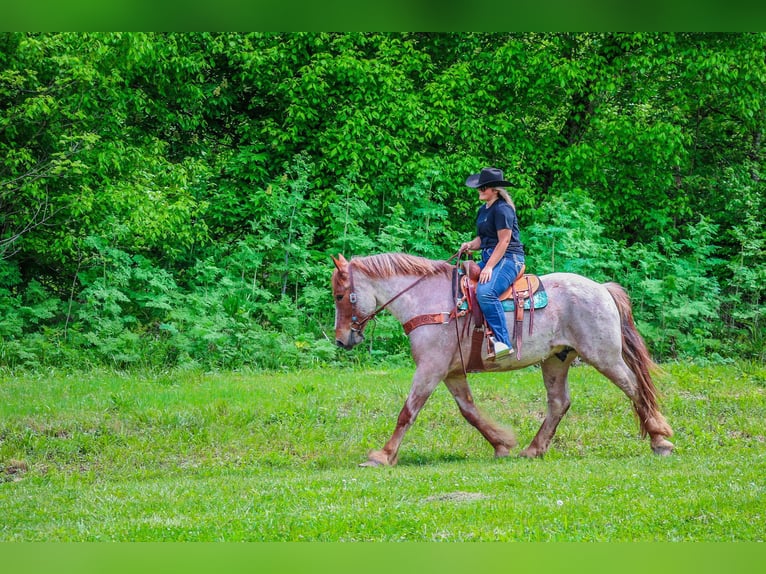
{"points": [[489, 176]]}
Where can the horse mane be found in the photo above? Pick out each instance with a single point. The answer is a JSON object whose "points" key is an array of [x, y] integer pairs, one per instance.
{"points": [[387, 265]]}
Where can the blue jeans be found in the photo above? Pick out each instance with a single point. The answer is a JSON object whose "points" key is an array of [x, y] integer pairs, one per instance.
{"points": [[488, 293]]}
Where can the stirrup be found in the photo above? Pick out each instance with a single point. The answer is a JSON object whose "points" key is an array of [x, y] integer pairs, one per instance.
{"points": [[499, 350]]}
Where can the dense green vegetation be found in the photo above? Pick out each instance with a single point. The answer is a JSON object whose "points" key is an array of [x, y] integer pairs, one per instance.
{"points": [[273, 457], [173, 199]]}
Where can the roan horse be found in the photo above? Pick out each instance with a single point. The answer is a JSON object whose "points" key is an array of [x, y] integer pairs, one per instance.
{"points": [[582, 318]]}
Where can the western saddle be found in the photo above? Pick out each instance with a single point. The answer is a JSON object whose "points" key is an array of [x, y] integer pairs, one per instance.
{"points": [[524, 287], [520, 294]]}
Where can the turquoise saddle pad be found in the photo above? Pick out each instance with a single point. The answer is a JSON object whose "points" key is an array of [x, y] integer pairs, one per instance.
{"points": [[540, 300]]}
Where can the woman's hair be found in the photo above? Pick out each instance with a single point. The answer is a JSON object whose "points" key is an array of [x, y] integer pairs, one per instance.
{"points": [[502, 192]]}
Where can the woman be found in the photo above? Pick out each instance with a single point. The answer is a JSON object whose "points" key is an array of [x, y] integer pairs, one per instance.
{"points": [[502, 254]]}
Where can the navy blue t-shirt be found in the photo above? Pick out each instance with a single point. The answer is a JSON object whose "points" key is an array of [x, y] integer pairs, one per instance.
{"points": [[500, 215]]}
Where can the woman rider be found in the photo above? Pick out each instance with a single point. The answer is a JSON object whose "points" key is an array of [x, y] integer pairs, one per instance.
{"points": [[502, 253]]}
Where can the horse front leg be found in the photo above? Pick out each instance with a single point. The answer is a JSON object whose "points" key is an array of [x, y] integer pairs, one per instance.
{"points": [[555, 377], [423, 384], [502, 440]]}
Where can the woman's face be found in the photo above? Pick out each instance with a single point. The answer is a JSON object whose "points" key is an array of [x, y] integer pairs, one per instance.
{"points": [[487, 193]]}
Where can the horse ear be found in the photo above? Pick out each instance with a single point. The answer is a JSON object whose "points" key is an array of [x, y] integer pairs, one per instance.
{"points": [[340, 262]]}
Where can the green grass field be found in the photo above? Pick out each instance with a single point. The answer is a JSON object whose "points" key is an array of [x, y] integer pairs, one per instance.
{"points": [[273, 457]]}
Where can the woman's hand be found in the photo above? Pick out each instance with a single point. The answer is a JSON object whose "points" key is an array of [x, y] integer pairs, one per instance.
{"points": [[504, 238], [468, 246]]}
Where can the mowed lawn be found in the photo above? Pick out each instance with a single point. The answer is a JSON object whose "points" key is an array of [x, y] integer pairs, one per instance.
{"points": [[189, 456]]}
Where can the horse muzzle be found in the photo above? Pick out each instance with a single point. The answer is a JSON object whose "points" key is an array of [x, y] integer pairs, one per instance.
{"points": [[351, 341]]}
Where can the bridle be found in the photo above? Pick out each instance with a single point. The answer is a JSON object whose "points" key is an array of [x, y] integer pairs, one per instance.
{"points": [[357, 325]]}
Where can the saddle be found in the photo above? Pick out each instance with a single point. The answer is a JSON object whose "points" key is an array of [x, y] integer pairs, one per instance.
{"points": [[526, 292]]}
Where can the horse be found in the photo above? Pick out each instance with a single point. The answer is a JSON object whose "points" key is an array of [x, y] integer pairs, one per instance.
{"points": [[583, 319]]}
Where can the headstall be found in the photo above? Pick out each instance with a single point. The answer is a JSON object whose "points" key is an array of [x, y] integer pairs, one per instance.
{"points": [[358, 325]]}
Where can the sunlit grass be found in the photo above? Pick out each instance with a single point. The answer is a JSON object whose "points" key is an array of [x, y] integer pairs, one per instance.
{"points": [[191, 456]]}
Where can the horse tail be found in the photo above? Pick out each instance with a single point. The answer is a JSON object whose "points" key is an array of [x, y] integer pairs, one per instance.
{"points": [[638, 359]]}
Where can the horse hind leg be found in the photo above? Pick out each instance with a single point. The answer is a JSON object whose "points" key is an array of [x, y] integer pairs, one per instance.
{"points": [[555, 376], [640, 390], [502, 440], [629, 366]]}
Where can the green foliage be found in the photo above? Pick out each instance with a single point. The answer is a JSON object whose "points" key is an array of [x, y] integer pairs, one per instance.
{"points": [[743, 301], [419, 223], [568, 237], [674, 284], [174, 198]]}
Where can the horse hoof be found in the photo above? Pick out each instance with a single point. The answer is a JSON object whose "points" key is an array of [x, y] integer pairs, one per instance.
{"points": [[377, 458], [663, 448], [502, 451], [530, 453]]}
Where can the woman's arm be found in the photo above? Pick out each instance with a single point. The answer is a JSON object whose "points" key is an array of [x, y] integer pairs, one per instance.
{"points": [[503, 240], [472, 245]]}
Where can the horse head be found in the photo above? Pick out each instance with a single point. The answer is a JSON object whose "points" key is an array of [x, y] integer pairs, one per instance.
{"points": [[349, 325]]}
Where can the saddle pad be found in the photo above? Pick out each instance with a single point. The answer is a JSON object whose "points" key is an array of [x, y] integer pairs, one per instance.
{"points": [[540, 300]]}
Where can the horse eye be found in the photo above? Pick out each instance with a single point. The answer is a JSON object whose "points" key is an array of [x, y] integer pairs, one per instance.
{"points": [[338, 297]]}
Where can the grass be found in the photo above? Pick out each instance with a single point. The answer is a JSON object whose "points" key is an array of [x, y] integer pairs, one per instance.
{"points": [[273, 457]]}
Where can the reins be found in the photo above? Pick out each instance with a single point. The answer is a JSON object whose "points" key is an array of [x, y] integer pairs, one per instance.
{"points": [[456, 299], [358, 325]]}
